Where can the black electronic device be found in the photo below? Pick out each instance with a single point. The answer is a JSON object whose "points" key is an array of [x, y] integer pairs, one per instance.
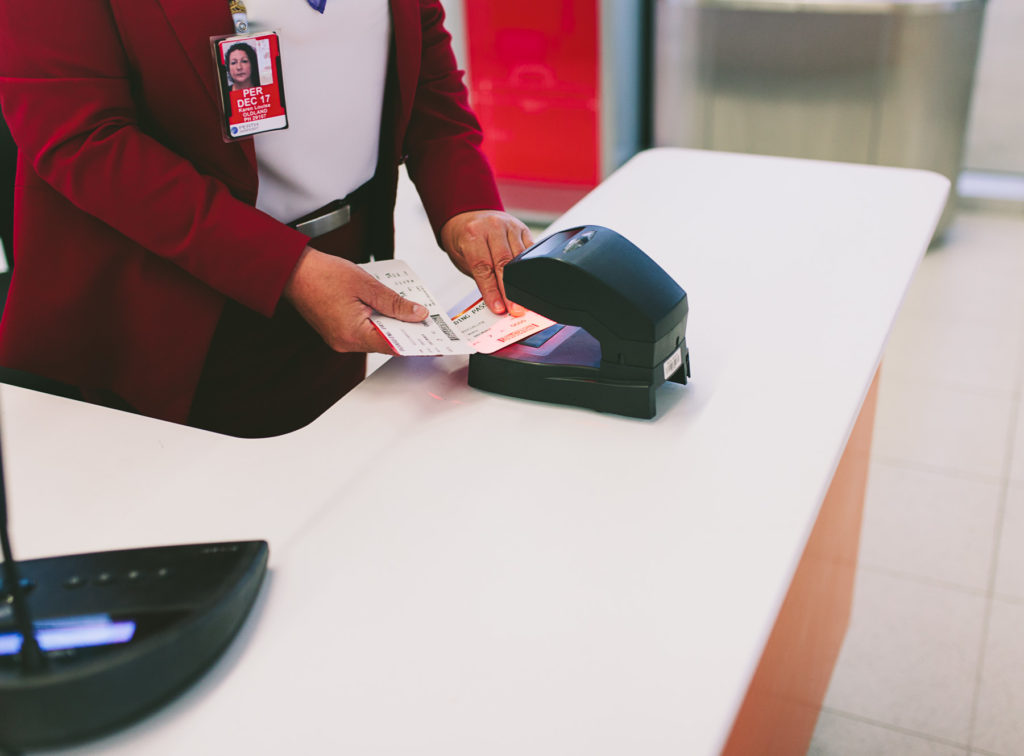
{"points": [[90, 642], [621, 329]]}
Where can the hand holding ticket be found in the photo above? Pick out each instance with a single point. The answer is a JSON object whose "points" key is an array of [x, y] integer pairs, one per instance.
{"points": [[473, 328]]}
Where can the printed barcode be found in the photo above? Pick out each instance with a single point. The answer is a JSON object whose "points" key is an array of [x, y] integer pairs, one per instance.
{"points": [[444, 327], [673, 363]]}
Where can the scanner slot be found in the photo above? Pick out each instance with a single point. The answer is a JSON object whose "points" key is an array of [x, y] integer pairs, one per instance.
{"points": [[540, 338], [567, 345]]}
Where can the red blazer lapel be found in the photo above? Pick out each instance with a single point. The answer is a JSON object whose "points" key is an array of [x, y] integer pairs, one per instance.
{"points": [[194, 23]]}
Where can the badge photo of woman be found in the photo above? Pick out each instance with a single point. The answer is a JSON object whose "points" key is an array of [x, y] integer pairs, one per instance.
{"points": [[243, 71]]}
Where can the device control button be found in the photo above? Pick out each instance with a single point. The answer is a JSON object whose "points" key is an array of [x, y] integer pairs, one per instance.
{"points": [[75, 581], [134, 576], [163, 572], [104, 578], [27, 584], [220, 548]]}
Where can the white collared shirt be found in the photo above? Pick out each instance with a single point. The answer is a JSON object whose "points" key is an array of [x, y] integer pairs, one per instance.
{"points": [[334, 67]]}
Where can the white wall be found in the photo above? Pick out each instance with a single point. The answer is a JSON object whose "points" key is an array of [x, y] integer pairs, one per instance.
{"points": [[455, 22]]}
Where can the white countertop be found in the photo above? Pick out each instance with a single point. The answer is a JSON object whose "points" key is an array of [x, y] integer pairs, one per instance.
{"points": [[454, 572]]}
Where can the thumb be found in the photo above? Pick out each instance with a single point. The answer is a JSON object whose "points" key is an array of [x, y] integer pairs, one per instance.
{"points": [[392, 304]]}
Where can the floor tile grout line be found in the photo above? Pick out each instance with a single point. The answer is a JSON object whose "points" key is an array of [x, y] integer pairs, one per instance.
{"points": [[1008, 598], [924, 580], [896, 728], [953, 385], [985, 392], [955, 472], [993, 569], [1020, 363]]}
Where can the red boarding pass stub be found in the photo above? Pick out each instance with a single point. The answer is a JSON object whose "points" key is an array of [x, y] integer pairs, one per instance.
{"points": [[251, 84]]}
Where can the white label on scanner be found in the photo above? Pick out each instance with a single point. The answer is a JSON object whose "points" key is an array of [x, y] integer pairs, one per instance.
{"points": [[672, 363]]}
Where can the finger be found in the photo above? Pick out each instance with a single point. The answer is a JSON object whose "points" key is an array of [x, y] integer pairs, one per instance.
{"points": [[502, 251], [515, 310], [514, 240], [392, 304], [490, 290], [374, 341], [486, 271], [527, 237]]}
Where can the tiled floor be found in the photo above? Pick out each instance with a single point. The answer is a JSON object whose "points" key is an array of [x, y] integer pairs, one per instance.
{"points": [[933, 662]]}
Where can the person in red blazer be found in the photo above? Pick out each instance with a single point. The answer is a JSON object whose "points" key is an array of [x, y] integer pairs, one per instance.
{"points": [[135, 220]]}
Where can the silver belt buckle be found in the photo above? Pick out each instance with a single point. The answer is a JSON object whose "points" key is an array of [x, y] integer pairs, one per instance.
{"points": [[324, 224]]}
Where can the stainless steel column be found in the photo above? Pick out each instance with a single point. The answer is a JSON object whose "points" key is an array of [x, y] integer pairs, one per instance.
{"points": [[870, 81], [622, 98]]}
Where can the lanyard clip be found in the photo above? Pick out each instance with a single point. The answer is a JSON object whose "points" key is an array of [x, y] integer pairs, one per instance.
{"points": [[239, 15]]}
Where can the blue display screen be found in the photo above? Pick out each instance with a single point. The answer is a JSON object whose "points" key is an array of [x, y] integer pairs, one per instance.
{"points": [[85, 631]]}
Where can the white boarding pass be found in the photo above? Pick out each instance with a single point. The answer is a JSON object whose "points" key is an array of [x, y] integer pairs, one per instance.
{"points": [[473, 328]]}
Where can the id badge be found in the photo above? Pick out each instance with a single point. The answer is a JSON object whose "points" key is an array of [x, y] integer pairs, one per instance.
{"points": [[251, 84]]}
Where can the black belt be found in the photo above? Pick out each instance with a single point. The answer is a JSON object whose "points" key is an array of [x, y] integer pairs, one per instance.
{"points": [[333, 215]]}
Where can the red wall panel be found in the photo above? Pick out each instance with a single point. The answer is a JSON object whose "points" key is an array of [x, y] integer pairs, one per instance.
{"points": [[534, 83]]}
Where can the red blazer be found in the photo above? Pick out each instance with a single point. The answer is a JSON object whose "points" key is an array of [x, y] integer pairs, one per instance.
{"points": [[134, 220]]}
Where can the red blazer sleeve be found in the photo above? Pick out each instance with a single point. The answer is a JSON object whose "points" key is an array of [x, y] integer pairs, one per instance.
{"points": [[443, 138], [66, 92]]}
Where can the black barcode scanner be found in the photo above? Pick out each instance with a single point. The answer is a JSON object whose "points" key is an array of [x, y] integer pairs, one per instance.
{"points": [[620, 333]]}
